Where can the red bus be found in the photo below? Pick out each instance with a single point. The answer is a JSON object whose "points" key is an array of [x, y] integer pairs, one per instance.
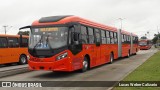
{"points": [[145, 44], [68, 43]]}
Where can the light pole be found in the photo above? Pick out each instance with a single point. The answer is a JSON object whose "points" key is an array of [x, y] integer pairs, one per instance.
{"points": [[148, 33], [121, 22], [5, 28]]}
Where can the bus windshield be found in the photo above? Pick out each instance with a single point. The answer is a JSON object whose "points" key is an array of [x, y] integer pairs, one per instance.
{"points": [[142, 43], [48, 37]]}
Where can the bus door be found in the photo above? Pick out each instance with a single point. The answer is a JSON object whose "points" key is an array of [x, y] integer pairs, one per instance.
{"points": [[75, 46], [92, 46], [104, 56], [98, 48]]}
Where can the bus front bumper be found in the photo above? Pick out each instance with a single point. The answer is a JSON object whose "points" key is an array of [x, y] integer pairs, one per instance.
{"points": [[144, 47], [50, 66]]}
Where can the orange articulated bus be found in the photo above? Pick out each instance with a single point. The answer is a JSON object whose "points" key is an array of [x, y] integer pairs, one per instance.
{"points": [[13, 48], [69, 43]]}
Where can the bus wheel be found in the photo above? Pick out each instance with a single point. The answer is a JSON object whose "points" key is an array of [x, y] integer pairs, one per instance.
{"points": [[128, 55], [22, 59], [111, 58], [136, 51], [85, 64]]}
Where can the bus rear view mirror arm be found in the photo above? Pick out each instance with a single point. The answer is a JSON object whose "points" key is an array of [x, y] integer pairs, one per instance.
{"points": [[24, 27]]}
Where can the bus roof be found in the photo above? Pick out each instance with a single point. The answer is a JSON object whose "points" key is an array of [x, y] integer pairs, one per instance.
{"points": [[67, 19], [70, 18], [4, 35]]}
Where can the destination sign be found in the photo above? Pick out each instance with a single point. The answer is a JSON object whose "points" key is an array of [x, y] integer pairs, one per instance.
{"points": [[48, 29]]}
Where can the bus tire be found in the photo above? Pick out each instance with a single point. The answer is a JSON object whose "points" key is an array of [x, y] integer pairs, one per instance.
{"points": [[128, 55], [22, 60], [111, 58], [85, 64], [136, 51]]}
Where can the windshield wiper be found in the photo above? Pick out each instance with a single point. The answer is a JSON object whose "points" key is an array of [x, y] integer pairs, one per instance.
{"points": [[38, 42]]}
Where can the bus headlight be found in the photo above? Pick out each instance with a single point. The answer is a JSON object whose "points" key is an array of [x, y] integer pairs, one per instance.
{"points": [[62, 56]]}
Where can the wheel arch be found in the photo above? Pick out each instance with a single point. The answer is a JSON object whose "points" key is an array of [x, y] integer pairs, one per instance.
{"points": [[23, 55]]}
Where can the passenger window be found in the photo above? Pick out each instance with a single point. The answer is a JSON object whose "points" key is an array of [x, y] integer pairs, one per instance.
{"points": [[84, 35], [103, 33], [24, 42], [111, 37], [97, 32], [103, 37], [107, 33], [90, 35], [111, 34], [13, 42], [133, 39], [108, 37], [3, 42], [122, 38], [83, 30], [136, 40], [115, 38], [108, 40], [115, 35], [90, 31], [129, 39]]}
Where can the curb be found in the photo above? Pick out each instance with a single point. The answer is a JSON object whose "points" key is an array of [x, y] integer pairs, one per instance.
{"points": [[111, 88], [13, 71]]}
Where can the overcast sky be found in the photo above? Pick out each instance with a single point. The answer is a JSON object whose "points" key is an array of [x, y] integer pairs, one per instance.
{"points": [[139, 16]]}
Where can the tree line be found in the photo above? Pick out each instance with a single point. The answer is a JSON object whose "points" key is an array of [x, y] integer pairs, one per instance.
{"points": [[23, 33], [156, 38]]}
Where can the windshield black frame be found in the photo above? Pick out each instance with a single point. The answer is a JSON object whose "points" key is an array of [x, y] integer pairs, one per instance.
{"points": [[142, 43], [57, 26]]}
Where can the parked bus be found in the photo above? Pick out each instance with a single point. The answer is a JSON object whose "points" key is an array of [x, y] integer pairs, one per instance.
{"points": [[68, 43], [13, 49], [145, 44]]}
